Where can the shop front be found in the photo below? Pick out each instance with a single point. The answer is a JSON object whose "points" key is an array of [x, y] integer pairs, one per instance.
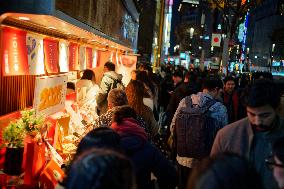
{"points": [[42, 49]]}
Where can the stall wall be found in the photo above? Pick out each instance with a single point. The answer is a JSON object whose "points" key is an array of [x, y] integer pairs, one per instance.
{"points": [[123, 65]]}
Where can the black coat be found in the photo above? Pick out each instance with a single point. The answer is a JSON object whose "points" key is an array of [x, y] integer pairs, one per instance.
{"points": [[147, 158]]}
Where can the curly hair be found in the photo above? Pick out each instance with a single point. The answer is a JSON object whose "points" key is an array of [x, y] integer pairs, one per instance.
{"points": [[134, 92]]}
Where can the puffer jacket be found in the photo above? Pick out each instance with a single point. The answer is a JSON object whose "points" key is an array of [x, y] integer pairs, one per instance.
{"points": [[147, 158], [106, 85]]}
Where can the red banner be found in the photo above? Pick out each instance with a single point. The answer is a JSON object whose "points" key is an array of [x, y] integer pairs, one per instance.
{"points": [[51, 55], [104, 56], [73, 56], [89, 57], [14, 52]]}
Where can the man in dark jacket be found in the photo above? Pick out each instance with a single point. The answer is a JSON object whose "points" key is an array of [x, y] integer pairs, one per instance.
{"points": [[186, 88], [231, 99], [109, 81]]}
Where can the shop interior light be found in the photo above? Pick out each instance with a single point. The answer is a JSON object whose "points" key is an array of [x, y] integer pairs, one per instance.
{"points": [[23, 18]]}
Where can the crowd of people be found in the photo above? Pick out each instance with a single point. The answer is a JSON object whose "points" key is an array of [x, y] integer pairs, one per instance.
{"points": [[182, 129]]}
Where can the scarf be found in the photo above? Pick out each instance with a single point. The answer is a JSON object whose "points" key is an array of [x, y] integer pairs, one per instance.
{"points": [[129, 126]]}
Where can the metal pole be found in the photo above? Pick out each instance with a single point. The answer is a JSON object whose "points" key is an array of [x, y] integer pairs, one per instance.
{"points": [[161, 26]]}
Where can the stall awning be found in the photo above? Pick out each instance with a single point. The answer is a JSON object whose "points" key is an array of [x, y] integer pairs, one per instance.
{"points": [[53, 26]]}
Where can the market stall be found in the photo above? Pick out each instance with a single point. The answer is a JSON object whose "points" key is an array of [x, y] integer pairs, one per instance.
{"points": [[39, 55]]}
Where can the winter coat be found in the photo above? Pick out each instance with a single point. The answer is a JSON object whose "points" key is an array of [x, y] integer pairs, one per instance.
{"points": [[105, 120], [106, 85], [240, 138], [231, 101], [147, 158], [183, 90]]}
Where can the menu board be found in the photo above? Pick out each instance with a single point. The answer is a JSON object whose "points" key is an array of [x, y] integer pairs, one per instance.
{"points": [[50, 94]]}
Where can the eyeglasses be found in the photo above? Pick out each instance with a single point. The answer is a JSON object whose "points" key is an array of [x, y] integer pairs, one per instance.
{"points": [[270, 162]]}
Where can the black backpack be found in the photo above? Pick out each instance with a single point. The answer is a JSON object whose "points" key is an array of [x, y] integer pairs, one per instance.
{"points": [[195, 130]]}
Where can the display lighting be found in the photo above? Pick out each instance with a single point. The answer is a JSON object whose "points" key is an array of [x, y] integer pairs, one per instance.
{"points": [[23, 18]]}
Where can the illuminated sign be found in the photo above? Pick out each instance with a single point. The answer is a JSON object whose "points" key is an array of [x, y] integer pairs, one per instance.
{"points": [[50, 94]]}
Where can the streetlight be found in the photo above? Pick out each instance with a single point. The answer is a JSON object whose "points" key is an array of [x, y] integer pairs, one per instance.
{"points": [[271, 56], [191, 31]]}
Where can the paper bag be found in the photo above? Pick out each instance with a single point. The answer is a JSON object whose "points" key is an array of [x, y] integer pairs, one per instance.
{"points": [[50, 176]]}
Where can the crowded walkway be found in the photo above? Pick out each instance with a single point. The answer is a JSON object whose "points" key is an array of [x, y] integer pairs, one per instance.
{"points": [[185, 129]]}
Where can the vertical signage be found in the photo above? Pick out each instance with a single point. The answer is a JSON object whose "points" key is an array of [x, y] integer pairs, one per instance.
{"points": [[82, 57], [63, 56], [35, 54], [51, 55], [73, 56], [89, 57], [95, 58], [14, 52]]}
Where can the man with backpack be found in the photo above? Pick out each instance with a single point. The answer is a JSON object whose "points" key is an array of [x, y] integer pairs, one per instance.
{"points": [[194, 126], [110, 80]]}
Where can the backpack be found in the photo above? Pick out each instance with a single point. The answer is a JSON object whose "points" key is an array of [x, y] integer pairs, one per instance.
{"points": [[195, 130]]}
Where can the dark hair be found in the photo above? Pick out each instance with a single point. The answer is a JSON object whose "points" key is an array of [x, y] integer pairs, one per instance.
{"points": [[117, 97], [70, 85], [89, 75], [191, 76], [143, 77], [122, 112], [278, 149], [212, 83], [177, 74], [101, 169], [226, 171], [110, 66], [229, 78], [263, 92], [102, 137]]}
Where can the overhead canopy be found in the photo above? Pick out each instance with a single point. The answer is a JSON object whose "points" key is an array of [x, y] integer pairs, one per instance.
{"points": [[56, 27]]}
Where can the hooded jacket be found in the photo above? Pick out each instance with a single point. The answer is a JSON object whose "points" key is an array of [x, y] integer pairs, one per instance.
{"points": [[146, 158]]}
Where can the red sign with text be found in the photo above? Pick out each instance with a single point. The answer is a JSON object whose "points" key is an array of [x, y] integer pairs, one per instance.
{"points": [[14, 52], [73, 57], [89, 57], [51, 55]]}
